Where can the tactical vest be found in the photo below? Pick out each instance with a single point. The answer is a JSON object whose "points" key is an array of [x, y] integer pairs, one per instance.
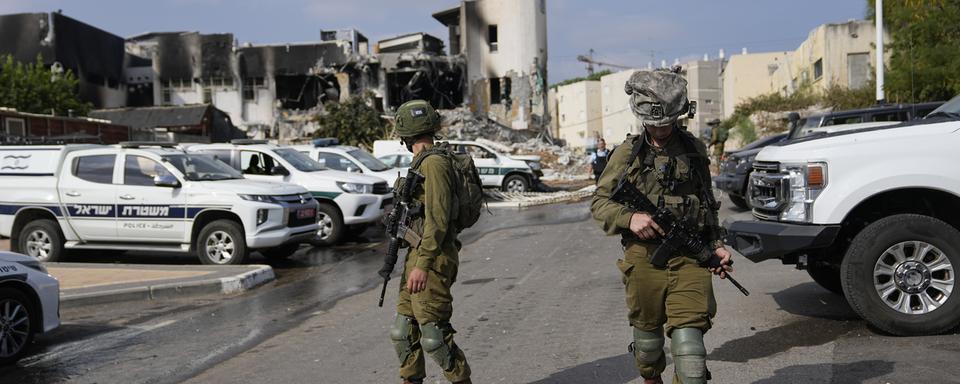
{"points": [[600, 162]]}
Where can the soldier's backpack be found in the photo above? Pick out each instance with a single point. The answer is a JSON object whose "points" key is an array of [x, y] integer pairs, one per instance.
{"points": [[467, 186]]}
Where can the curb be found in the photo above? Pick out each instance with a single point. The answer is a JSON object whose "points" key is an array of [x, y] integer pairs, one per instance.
{"points": [[223, 286]]}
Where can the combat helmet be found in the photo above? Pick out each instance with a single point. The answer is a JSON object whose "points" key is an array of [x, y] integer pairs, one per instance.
{"points": [[417, 117], [658, 97]]}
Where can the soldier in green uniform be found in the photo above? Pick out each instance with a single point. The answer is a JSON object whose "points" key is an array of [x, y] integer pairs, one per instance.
{"points": [[718, 138], [425, 303], [676, 301]]}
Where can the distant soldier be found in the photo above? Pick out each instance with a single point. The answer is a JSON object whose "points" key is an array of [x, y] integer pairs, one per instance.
{"points": [[425, 304], [668, 164], [598, 160], [718, 138]]}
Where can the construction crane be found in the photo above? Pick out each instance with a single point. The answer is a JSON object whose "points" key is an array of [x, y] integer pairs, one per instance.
{"points": [[591, 62]]}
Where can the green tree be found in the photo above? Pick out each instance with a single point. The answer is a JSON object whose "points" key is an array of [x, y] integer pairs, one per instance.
{"points": [[924, 59], [353, 122], [34, 88], [594, 77]]}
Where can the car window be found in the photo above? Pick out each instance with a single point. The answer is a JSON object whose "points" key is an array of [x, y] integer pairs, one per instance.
{"points": [[390, 160], [336, 162], [202, 167], [218, 154], [890, 116], [256, 163], [95, 169], [367, 159], [477, 152], [298, 160], [843, 120], [139, 170]]}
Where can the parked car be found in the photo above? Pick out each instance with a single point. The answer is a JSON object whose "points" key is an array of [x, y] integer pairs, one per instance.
{"points": [[736, 166], [145, 196], [346, 158], [29, 304], [869, 213], [347, 201], [509, 173]]}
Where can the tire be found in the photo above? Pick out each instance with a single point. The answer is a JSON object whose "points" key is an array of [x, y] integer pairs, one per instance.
{"points": [[222, 243], [42, 240], [331, 226], [282, 252], [516, 183], [827, 276], [740, 202], [15, 340], [909, 258]]}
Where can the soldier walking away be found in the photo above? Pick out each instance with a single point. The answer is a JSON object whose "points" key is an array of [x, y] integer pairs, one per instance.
{"points": [[718, 138], [669, 165], [598, 160], [425, 304]]}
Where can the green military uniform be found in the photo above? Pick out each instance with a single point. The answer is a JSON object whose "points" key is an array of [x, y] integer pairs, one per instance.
{"points": [[677, 300], [718, 138], [423, 319]]}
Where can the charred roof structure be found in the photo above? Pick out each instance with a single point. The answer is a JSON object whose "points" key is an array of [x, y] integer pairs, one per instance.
{"points": [[198, 123], [95, 56]]}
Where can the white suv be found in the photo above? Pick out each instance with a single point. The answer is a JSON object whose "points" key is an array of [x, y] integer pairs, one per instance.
{"points": [[347, 200], [350, 159], [29, 304]]}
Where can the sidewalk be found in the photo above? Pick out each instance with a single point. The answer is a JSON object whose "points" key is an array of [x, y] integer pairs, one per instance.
{"points": [[90, 283]]}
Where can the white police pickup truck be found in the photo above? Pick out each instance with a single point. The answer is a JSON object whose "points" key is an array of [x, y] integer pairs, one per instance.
{"points": [[346, 199], [347, 158], [509, 173], [145, 196]]}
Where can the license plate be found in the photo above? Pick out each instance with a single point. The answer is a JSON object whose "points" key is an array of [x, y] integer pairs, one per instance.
{"points": [[306, 213]]}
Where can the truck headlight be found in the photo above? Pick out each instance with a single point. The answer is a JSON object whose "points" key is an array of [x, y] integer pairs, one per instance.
{"points": [[257, 198], [356, 187], [534, 165], [806, 182]]}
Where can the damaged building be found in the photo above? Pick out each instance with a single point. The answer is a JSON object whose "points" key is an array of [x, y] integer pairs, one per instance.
{"points": [[94, 56], [504, 43], [415, 67]]}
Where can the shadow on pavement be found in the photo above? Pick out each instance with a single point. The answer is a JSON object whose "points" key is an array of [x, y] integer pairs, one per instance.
{"points": [[851, 373], [811, 300], [611, 370]]}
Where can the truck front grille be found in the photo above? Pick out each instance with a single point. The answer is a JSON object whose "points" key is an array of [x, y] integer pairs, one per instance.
{"points": [[768, 190]]}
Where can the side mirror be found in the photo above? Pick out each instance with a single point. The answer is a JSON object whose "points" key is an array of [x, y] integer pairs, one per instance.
{"points": [[168, 181], [279, 170]]}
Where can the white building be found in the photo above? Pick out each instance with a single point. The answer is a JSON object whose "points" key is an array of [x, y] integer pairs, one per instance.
{"points": [[580, 113], [618, 119]]}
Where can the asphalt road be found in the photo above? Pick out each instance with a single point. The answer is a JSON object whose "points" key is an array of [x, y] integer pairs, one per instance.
{"points": [[538, 300]]}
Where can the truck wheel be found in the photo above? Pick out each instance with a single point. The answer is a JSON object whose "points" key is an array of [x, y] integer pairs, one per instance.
{"points": [[740, 202], [827, 276], [899, 274], [41, 239], [17, 331], [282, 252], [222, 243], [516, 183], [331, 226]]}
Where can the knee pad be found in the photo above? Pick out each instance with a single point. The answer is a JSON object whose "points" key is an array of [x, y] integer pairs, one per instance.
{"points": [[400, 336], [433, 342], [689, 355], [647, 347]]}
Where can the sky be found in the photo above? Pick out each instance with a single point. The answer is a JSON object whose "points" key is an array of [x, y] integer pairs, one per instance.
{"points": [[625, 32]]}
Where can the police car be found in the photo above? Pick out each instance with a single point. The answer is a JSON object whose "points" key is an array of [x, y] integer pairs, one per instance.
{"points": [[29, 304], [350, 159], [145, 196], [347, 201], [509, 173]]}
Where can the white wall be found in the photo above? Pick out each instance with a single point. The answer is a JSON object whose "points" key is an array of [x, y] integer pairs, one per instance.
{"points": [[618, 119], [581, 118]]}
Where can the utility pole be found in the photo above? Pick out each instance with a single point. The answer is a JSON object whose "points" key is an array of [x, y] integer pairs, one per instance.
{"points": [[879, 15]]}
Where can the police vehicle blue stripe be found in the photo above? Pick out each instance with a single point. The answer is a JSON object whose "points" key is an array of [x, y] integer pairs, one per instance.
{"points": [[12, 209]]}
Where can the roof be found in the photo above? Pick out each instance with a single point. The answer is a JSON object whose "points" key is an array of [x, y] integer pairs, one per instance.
{"points": [[153, 117], [448, 16]]}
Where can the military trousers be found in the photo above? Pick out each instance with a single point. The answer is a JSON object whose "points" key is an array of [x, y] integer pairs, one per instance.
{"points": [[678, 296], [432, 305]]}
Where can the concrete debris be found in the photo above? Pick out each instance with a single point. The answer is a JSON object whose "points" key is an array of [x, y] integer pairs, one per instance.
{"points": [[530, 199]]}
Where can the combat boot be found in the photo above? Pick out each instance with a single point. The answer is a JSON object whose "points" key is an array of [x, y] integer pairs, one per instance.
{"points": [[655, 380]]}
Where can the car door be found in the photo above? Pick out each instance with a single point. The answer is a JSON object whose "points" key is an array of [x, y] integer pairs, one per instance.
{"points": [[486, 162], [89, 195], [257, 165], [146, 212]]}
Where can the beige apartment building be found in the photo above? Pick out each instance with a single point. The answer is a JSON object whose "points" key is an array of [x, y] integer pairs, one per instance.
{"points": [[618, 119], [580, 113], [703, 86], [749, 75]]}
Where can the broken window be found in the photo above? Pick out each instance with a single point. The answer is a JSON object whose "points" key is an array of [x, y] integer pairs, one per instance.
{"points": [[207, 96], [492, 37], [505, 90], [250, 85], [167, 98], [818, 69], [495, 93]]}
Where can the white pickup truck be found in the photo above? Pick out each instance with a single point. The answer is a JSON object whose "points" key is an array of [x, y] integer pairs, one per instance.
{"points": [[145, 196], [872, 214]]}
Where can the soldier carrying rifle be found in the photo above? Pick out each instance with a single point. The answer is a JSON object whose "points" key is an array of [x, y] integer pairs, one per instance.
{"points": [[672, 296]]}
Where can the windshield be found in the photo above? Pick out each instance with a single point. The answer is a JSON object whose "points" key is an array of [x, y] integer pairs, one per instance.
{"points": [[301, 162], [949, 109], [202, 167], [368, 160]]}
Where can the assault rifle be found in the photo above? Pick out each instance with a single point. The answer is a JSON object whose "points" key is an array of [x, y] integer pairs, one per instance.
{"points": [[680, 235], [398, 227]]}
